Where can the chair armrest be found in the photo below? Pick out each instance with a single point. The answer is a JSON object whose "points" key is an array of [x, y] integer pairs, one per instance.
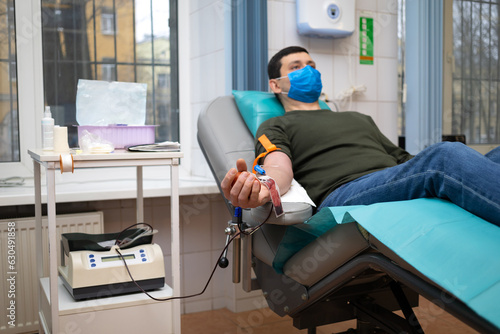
{"points": [[295, 213], [297, 205]]}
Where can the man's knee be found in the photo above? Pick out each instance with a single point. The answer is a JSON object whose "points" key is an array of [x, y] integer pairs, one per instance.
{"points": [[450, 148], [447, 154]]}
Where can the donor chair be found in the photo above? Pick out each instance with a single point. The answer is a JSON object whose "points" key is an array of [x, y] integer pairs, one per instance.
{"points": [[346, 263]]}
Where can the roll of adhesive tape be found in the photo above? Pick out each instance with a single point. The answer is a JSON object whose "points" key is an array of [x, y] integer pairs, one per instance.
{"points": [[61, 139], [66, 163]]}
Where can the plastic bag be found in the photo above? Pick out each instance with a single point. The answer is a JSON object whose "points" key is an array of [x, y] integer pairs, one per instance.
{"points": [[93, 143], [104, 103]]}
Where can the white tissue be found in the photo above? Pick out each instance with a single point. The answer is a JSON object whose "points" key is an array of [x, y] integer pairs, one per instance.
{"points": [[297, 194]]}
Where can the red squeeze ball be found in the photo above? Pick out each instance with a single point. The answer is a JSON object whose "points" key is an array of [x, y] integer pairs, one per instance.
{"points": [[235, 178]]}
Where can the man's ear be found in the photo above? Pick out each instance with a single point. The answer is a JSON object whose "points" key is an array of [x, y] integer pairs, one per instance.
{"points": [[274, 85]]}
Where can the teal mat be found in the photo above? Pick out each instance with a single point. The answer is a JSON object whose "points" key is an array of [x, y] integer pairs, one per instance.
{"points": [[457, 250]]}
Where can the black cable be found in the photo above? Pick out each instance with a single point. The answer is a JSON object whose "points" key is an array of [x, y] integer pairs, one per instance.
{"points": [[211, 275], [178, 297], [255, 229], [119, 242]]}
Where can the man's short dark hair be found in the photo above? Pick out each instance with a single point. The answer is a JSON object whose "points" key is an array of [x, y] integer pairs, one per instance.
{"points": [[274, 66]]}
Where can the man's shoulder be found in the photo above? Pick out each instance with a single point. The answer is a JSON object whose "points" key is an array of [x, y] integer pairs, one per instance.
{"points": [[273, 121], [356, 114], [269, 125]]}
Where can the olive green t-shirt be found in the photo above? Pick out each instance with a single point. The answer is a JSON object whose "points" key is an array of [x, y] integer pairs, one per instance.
{"points": [[328, 149]]}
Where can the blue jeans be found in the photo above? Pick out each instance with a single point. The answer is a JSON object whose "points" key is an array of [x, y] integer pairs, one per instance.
{"points": [[446, 170]]}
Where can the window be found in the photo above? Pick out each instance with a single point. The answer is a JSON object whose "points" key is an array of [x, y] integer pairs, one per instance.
{"points": [[162, 80], [107, 21], [476, 71], [9, 120], [108, 69], [78, 41], [138, 50]]}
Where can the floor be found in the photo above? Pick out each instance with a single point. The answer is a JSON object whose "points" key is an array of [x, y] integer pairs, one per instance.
{"points": [[263, 321]]}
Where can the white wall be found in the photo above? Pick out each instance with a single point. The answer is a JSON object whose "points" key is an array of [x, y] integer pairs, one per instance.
{"points": [[209, 65], [207, 62], [335, 58]]}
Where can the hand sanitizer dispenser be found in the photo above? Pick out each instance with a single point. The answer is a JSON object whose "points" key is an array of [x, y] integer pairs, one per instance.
{"points": [[326, 18]]}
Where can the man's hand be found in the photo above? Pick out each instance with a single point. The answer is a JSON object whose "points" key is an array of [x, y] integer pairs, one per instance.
{"points": [[242, 187]]}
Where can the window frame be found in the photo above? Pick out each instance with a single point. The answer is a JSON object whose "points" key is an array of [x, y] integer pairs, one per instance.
{"points": [[448, 67], [30, 78], [29, 50]]}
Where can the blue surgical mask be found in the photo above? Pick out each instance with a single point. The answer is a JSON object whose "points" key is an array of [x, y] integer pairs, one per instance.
{"points": [[305, 84]]}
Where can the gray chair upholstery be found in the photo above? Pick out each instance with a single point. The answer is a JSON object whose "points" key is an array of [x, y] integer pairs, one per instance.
{"points": [[342, 275]]}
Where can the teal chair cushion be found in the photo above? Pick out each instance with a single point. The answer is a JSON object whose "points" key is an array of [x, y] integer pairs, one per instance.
{"points": [[256, 107]]}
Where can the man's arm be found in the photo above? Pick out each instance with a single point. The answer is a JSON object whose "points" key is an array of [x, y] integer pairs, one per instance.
{"points": [[397, 152], [246, 191], [279, 166]]}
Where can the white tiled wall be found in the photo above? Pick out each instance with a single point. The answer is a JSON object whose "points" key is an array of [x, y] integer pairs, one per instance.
{"points": [[208, 64], [338, 59]]}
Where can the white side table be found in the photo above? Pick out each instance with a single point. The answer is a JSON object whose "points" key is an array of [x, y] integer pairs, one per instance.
{"points": [[49, 315]]}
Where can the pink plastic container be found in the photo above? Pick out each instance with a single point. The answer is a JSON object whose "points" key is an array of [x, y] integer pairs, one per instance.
{"points": [[121, 136]]}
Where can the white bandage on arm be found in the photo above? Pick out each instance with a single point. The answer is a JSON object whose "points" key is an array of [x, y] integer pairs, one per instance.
{"points": [[275, 193]]}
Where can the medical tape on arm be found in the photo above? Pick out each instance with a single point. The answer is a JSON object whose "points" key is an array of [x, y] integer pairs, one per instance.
{"points": [[274, 191]]}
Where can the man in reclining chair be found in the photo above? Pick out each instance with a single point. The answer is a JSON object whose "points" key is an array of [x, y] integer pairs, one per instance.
{"points": [[342, 158]]}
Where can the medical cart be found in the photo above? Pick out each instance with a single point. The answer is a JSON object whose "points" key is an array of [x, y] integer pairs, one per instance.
{"points": [[56, 308]]}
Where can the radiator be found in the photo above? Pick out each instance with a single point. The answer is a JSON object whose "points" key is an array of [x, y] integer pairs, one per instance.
{"points": [[26, 298]]}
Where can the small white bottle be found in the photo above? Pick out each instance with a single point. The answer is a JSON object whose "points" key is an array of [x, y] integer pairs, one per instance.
{"points": [[47, 130]]}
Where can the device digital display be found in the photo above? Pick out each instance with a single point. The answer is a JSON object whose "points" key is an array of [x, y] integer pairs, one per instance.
{"points": [[117, 258]]}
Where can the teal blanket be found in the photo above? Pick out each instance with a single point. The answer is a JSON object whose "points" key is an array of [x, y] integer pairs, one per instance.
{"points": [[457, 250]]}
